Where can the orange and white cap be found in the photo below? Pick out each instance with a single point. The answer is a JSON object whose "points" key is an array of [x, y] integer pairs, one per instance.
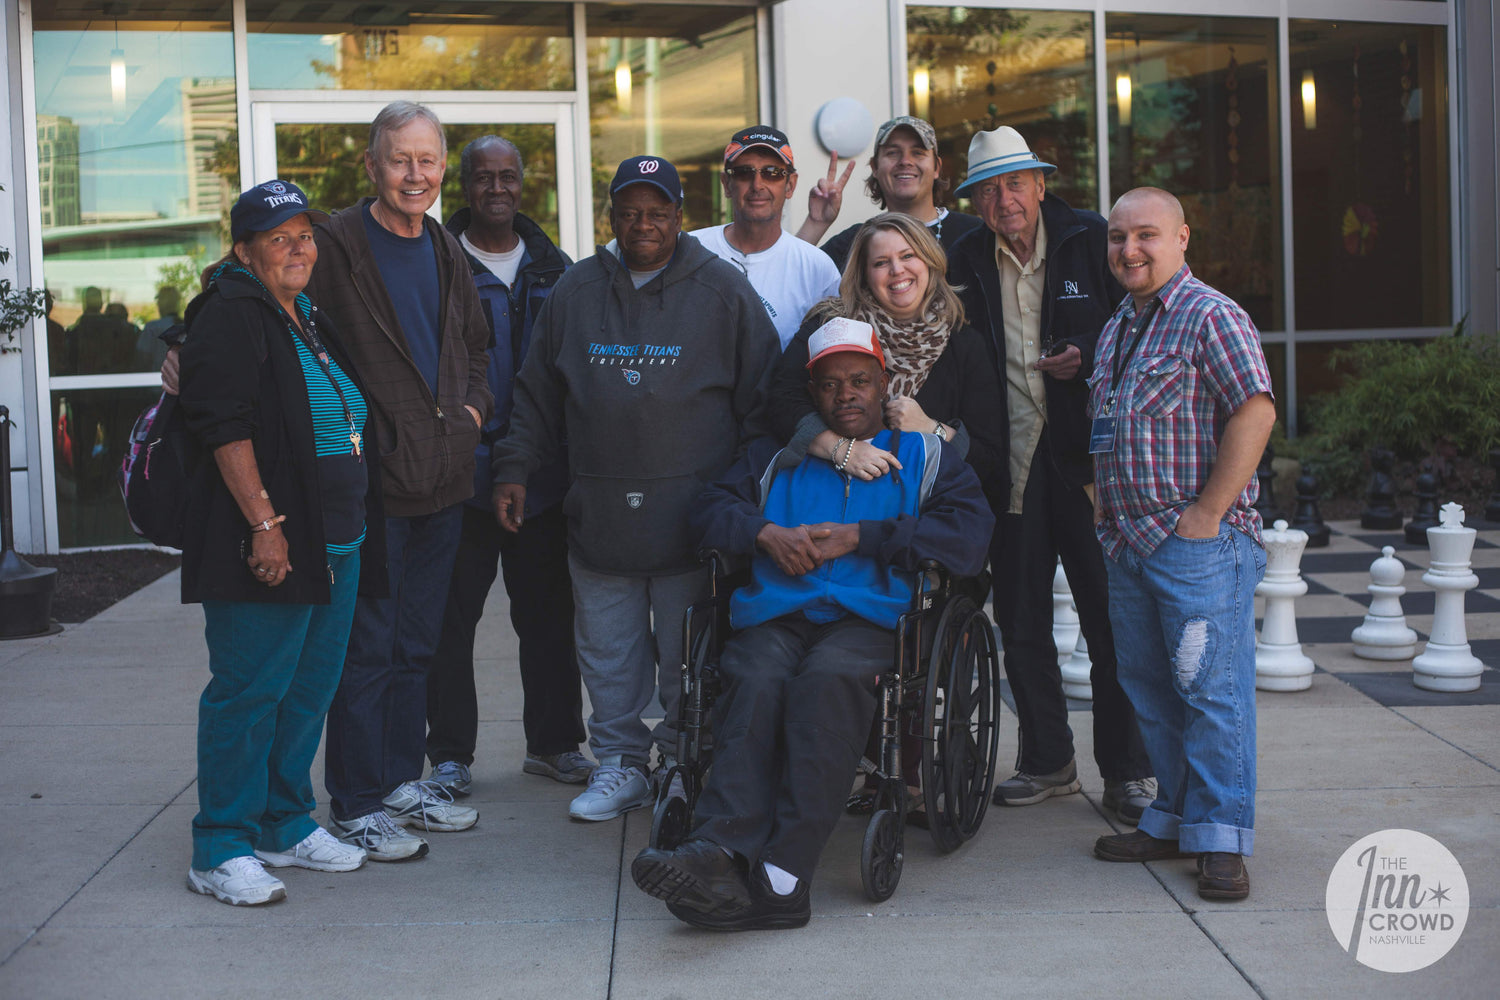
{"points": [[844, 334]]}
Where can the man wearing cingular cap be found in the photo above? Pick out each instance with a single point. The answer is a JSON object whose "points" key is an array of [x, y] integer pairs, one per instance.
{"points": [[789, 275], [652, 360]]}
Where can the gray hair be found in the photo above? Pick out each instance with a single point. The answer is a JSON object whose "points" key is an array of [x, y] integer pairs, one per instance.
{"points": [[466, 158], [398, 115]]}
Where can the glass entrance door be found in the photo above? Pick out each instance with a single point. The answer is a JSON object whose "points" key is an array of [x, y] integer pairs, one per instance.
{"points": [[319, 145]]}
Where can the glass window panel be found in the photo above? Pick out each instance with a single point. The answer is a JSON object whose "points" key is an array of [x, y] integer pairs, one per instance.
{"points": [[1370, 175], [446, 45], [327, 161], [1030, 69], [136, 130], [672, 81], [89, 431], [1192, 106]]}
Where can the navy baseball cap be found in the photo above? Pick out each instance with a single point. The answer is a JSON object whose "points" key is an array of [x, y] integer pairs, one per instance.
{"points": [[268, 205], [652, 170]]}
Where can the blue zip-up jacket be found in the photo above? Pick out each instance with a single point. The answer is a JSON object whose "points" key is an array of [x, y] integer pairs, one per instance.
{"points": [[935, 509], [511, 312]]}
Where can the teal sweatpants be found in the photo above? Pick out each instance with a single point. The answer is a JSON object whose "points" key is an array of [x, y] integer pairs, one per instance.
{"points": [[275, 668]]}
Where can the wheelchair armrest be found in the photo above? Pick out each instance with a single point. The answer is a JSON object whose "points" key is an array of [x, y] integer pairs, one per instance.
{"points": [[727, 570]]}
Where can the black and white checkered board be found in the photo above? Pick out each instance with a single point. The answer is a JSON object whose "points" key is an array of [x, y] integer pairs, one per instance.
{"points": [[1337, 598], [1338, 578]]}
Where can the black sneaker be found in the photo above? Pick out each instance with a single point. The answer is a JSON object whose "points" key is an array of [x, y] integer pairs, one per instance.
{"points": [[699, 876], [768, 911]]}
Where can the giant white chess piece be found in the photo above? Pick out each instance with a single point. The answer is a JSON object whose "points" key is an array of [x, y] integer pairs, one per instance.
{"points": [[1384, 635], [1280, 664], [1076, 680], [1447, 664], [1064, 616]]}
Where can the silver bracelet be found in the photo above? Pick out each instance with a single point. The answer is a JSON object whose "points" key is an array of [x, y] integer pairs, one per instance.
{"points": [[848, 450]]}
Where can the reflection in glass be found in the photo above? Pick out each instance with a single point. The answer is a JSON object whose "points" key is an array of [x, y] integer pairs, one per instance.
{"points": [[672, 81], [89, 431], [1200, 121], [1030, 69], [138, 168], [327, 161], [444, 45], [1370, 176]]}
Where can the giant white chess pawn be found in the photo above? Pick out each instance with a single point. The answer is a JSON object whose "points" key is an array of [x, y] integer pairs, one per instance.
{"points": [[1280, 664], [1384, 635], [1077, 681], [1064, 616], [1447, 663]]}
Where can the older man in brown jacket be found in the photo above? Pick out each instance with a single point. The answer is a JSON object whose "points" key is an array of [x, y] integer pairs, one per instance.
{"points": [[409, 316]]}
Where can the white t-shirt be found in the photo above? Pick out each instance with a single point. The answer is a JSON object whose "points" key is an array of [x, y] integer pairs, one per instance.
{"points": [[502, 265], [790, 277]]}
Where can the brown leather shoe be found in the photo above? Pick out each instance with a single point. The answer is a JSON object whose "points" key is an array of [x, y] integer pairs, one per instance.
{"points": [[1136, 846], [1222, 875]]}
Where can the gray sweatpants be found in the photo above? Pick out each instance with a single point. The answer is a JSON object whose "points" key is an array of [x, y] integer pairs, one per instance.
{"points": [[619, 652]]}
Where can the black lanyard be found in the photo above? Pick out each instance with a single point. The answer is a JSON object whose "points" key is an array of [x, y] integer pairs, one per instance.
{"points": [[1125, 353], [310, 338]]}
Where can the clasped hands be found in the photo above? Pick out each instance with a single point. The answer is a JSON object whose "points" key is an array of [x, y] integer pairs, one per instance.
{"points": [[800, 550]]}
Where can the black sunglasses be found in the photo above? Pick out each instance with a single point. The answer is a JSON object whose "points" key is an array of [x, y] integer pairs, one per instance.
{"points": [[745, 172]]}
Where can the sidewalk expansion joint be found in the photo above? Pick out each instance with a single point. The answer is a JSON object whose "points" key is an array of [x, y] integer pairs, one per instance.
{"points": [[94, 874]]}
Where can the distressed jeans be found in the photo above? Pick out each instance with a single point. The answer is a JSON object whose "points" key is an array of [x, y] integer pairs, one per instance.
{"points": [[1184, 624]]}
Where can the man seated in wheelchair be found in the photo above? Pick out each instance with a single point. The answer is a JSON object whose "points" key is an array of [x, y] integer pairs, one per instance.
{"points": [[834, 565]]}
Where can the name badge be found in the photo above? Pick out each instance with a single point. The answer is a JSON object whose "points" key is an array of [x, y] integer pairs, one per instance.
{"points": [[1102, 435]]}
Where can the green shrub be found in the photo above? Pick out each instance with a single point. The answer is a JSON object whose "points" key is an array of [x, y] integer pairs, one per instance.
{"points": [[1434, 402]]}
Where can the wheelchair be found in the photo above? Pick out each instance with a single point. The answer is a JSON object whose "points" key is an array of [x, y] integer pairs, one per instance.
{"points": [[943, 688]]}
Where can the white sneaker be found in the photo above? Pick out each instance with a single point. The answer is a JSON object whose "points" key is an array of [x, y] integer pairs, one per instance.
{"points": [[320, 850], [453, 776], [612, 790], [380, 837], [240, 881], [429, 805]]}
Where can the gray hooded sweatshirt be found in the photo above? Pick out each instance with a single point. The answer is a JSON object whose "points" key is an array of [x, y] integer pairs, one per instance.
{"points": [[655, 390]]}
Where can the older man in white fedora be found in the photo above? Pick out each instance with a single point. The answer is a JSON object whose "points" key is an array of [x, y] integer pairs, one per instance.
{"points": [[1037, 286]]}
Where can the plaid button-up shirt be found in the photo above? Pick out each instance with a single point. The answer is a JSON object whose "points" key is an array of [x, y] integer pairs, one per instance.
{"points": [[1198, 361]]}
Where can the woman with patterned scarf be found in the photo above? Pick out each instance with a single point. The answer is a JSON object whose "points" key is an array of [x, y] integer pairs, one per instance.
{"points": [[282, 513], [942, 379], [942, 382]]}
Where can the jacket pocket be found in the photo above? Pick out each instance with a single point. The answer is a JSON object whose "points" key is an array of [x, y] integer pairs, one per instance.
{"points": [[1158, 386], [634, 526]]}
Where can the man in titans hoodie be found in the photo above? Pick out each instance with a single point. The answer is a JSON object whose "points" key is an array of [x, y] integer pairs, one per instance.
{"points": [[652, 359]]}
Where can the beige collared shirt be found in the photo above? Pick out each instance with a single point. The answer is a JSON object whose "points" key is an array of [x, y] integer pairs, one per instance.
{"points": [[1021, 290]]}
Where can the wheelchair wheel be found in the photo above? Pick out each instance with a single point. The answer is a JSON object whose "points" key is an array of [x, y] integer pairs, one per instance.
{"points": [[670, 823], [961, 704], [880, 856]]}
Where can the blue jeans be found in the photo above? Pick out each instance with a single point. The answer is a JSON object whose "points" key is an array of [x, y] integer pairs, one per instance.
{"points": [[274, 667], [377, 727], [1184, 623]]}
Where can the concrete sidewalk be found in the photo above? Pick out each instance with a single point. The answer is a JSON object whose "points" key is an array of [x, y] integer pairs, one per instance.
{"points": [[97, 731]]}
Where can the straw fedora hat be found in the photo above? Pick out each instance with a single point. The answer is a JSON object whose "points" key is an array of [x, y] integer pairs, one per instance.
{"points": [[999, 152]]}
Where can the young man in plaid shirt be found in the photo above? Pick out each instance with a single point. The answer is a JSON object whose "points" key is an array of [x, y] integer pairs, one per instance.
{"points": [[1181, 407]]}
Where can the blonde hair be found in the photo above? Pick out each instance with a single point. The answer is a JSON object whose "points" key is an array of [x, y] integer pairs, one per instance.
{"points": [[855, 297]]}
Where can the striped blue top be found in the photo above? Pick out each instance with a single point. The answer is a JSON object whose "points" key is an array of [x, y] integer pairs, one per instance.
{"points": [[330, 429]]}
